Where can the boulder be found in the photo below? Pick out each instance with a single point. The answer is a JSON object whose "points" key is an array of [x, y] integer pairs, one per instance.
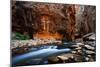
{"points": [[78, 45], [63, 58], [79, 51], [74, 52], [89, 52], [89, 37], [89, 47], [86, 58], [53, 60], [75, 46], [91, 43], [78, 48]]}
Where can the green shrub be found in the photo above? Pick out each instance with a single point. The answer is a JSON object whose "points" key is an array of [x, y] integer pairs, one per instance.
{"points": [[19, 36]]}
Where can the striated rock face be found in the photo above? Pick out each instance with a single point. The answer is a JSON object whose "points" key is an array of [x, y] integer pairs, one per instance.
{"points": [[68, 20], [86, 20]]}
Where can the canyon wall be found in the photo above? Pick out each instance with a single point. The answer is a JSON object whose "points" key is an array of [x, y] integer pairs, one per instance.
{"points": [[68, 20]]}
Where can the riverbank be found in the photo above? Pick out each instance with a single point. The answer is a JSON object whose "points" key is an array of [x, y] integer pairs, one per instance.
{"points": [[80, 50]]}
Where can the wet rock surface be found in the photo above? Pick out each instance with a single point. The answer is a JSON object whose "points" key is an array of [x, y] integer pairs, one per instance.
{"points": [[81, 51]]}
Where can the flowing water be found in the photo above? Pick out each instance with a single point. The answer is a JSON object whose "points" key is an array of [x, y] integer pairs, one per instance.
{"points": [[39, 55]]}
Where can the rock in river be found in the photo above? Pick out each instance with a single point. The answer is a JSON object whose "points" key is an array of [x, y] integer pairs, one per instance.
{"points": [[90, 52], [74, 52], [89, 47], [78, 48]]}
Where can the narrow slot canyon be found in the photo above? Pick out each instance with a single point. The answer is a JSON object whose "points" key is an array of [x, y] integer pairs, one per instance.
{"points": [[49, 33]]}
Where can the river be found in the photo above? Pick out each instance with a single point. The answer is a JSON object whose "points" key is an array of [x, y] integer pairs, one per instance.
{"points": [[39, 55]]}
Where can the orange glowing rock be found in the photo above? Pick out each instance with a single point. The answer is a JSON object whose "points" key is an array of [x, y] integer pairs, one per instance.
{"points": [[47, 35]]}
